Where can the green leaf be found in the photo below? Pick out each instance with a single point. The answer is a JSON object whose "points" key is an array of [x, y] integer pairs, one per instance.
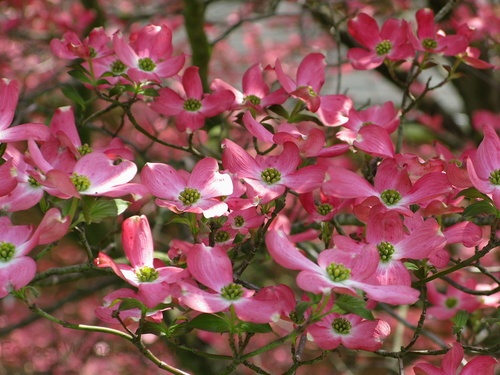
{"points": [[71, 93], [210, 323], [279, 110], [79, 75], [131, 303], [253, 328], [96, 210], [411, 266], [353, 305], [150, 92], [158, 329], [459, 321], [299, 117], [479, 208], [472, 192]]}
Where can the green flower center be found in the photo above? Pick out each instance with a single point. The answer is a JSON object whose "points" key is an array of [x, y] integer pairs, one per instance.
{"points": [[146, 64], [92, 52], [271, 175], [192, 105], [33, 183], [84, 149], [255, 100], [324, 209], [239, 221], [232, 292], [117, 67], [146, 274], [7, 251], [383, 48], [429, 43], [385, 249], [495, 177], [81, 182], [451, 302], [390, 197], [221, 236], [338, 272], [189, 196], [311, 91], [342, 326]]}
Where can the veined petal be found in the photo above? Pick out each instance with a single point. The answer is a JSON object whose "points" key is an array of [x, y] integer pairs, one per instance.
{"points": [[9, 95], [257, 311], [162, 180], [168, 103], [15, 274], [24, 132], [210, 266], [137, 241], [206, 178], [199, 300], [124, 51], [236, 160], [256, 128], [311, 71], [217, 102], [191, 82], [365, 30], [253, 82], [343, 183]]}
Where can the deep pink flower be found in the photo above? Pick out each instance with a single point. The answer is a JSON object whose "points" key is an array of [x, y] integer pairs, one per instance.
{"points": [[349, 330], [193, 107], [149, 54], [483, 365], [446, 305], [390, 42], [152, 278], [212, 267], [484, 167], [71, 47], [198, 192], [268, 177], [431, 39], [16, 241]]}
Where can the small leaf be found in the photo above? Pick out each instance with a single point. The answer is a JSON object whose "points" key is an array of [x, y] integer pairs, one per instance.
{"points": [[210, 323], [79, 75], [97, 210], [71, 93], [479, 208], [302, 117], [131, 303], [150, 92], [253, 328], [411, 266], [459, 321], [158, 329], [279, 110], [354, 305], [472, 192]]}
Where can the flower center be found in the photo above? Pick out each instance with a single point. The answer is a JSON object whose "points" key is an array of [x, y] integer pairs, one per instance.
{"points": [[390, 197], [429, 43], [324, 209], [451, 302], [255, 100], [117, 67], [84, 149], [342, 326], [146, 64], [338, 272], [221, 236], [495, 177], [81, 182], [232, 292], [385, 249], [92, 52], [189, 196], [33, 183], [7, 251], [271, 175], [311, 91], [239, 221], [383, 48], [146, 274], [192, 105]]}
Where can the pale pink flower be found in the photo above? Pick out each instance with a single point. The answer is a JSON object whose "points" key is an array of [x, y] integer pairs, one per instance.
{"points": [[446, 305], [484, 166], [192, 108], [483, 365], [212, 267], [349, 330], [152, 278], [16, 241], [344, 269], [269, 177], [198, 192]]}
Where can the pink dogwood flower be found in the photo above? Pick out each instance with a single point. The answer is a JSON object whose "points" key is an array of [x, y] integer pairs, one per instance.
{"points": [[9, 95], [343, 269], [198, 192], [349, 330], [71, 47], [269, 177], [212, 267], [148, 55], [16, 241], [152, 278], [429, 38], [192, 108], [484, 167], [483, 365], [446, 305], [390, 42]]}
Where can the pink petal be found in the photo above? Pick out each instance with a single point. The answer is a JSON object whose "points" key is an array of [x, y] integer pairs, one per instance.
{"points": [[256, 129], [216, 103], [171, 66], [365, 30], [191, 82], [202, 301], [162, 180], [426, 25], [311, 72], [253, 82], [9, 95], [305, 179], [210, 266], [452, 359], [237, 160], [375, 140], [334, 109], [208, 181], [16, 273], [343, 183], [257, 311], [137, 241], [363, 59], [24, 132], [286, 82], [124, 51], [169, 103]]}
